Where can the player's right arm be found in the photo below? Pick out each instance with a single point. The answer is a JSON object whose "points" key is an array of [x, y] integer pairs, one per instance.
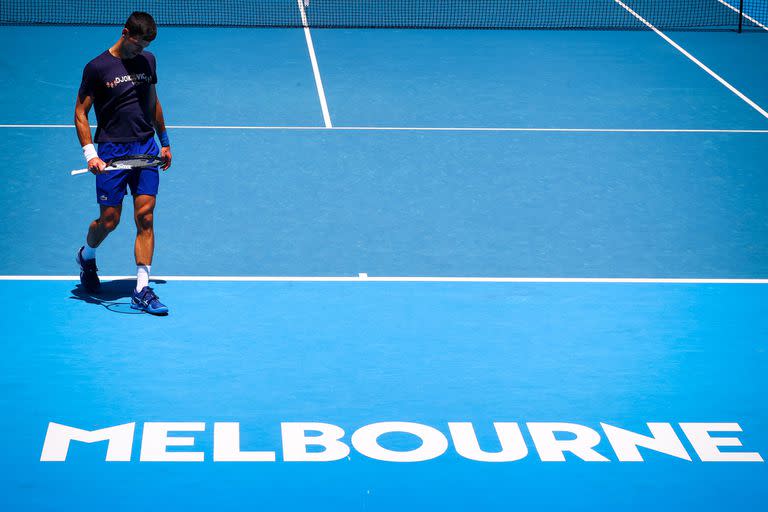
{"points": [[82, 106]]}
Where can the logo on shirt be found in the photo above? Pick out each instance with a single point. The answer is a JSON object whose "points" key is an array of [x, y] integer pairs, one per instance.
{"points": [[134, 78]]}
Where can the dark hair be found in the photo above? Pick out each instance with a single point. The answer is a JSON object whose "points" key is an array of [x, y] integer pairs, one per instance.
{"points": [[141, 24]]}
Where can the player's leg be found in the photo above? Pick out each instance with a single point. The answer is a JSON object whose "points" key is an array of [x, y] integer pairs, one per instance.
{"points": [[110, 190], [104, 225], [144, 298], [144, 185], [143, 215], [98, 230]]}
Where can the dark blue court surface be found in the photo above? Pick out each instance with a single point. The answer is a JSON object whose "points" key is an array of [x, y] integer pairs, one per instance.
{"points": [[518, 155], [416, 204]]}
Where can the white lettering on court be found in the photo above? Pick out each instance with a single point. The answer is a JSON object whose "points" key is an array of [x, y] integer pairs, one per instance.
{"points": [[323, 442], [707, 447], [552, 449], [511, 439], [58, 437], [366, 441], [226, 446], [155, 440], [296, 441], [663, 440]]}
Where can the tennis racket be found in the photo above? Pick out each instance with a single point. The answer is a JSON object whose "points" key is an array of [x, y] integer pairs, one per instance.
{"points": [[128, 162]]}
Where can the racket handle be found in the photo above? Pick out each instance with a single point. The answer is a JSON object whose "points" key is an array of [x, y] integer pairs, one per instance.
{"points": [[78, 171]]}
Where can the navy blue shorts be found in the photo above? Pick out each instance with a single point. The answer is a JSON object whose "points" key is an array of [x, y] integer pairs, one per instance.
{"points": [[112, 186]]}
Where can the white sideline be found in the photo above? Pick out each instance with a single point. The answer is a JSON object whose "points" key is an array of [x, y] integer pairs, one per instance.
{"points": [[315, 67], [695, 60], [750, 18], [362, 277]]}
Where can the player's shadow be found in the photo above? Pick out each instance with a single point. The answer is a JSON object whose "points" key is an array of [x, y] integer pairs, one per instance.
{"points": [[114, 296]]}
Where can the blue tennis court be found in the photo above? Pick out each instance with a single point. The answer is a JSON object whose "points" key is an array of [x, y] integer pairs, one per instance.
{"points": [[406, 267]]}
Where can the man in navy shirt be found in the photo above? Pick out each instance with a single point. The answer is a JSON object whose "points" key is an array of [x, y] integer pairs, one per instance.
{"points": [[120, 85]]}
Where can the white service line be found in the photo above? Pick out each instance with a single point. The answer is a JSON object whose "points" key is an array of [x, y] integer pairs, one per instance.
{"points": [[695, 60], [425, 129], [315, 67], [362, 277], [750, 18]]}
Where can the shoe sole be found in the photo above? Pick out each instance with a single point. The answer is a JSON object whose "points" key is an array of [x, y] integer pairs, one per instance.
{"points": [[160, 312]]}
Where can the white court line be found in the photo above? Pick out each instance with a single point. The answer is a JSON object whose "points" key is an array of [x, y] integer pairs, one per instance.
{"points": [[425, 129], [750, 18], [371, 279], [315, 67], [695, 60]]}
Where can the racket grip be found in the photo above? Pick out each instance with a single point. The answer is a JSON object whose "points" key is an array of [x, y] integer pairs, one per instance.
{"points": [[78, 171]]}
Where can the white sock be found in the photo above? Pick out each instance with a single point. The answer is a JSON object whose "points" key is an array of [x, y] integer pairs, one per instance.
{"points": [[89, 252], [142, 276]]}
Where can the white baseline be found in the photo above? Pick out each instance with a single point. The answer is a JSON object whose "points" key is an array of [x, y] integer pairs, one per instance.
{"points": [[426, 128], [362, 277]]}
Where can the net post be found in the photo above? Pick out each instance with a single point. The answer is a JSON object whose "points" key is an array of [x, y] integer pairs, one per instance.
{"points": [[741, 14]]}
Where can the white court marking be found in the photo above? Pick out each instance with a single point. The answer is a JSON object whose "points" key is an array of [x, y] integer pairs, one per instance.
{"points": [[695, 60], [425, 128], [363, 277], [750, 18], [315, 67]]}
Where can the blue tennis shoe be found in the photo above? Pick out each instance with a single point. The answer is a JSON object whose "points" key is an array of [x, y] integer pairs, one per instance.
{"points": [[88, 272], [146, 300]]}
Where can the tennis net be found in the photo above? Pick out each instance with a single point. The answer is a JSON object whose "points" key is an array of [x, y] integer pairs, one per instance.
{"points": [[469, 14]]}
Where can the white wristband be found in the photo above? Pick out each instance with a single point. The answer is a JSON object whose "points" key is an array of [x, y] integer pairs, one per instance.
{"points": [[89, 152]]}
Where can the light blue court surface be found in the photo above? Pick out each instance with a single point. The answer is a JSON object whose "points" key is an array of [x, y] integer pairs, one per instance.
{"points": [[283, 196], [352, 354]]}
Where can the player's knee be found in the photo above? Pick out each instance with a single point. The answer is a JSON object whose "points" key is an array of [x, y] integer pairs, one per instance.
{"points": [[109, 222], [144, 221]]}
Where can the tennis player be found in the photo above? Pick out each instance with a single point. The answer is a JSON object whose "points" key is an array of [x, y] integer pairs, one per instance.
{"points": [[120, 85]]}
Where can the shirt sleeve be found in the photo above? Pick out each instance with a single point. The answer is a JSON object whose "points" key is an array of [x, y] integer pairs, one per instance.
{"points": [[88, 83], [153, 64]]}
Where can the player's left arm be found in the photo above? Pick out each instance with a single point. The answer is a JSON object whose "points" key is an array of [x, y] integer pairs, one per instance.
{"points": [[165, 150]]}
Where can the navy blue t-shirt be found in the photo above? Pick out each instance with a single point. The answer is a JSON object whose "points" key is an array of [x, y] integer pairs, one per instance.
{"points": [[121, 91]]}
